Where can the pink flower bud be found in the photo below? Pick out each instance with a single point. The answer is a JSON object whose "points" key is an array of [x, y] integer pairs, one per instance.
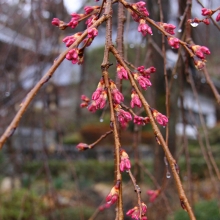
{"points": [[199, 51], [125, 163], [169, 28], [218, 17], [82, 147], [117, 96], [92, 32], [112, 197], [134, 213], [206, 21], [161, 119], [121, 72], [144, 28], [153, 194], [141, 120], [92, 107], [143, 81], [173, 42], [122, 116], [91, 21], [199, 64], [206, 12], [135, 100], [56, 22], [140, 6]]}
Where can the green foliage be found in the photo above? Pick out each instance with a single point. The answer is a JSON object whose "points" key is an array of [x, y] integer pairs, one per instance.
{"points": [[74, 213], [205, 210], [21, 204]]}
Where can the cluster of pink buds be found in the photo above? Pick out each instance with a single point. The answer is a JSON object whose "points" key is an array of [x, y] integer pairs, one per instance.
{"points": [[153, 194], [112, 197], [82, 147], [141, 7], [75, 56], [160, 118], [90, 9], [122, 116], [169, 28], [125, 163], [69, 40], [92, 33], [146, 72], [121, 72], [143, 81], [85, 102], [195, 21], [134, 213], [57, 22], [90, 21], [116, 94], [135, 100], [75, 20], [206, 12], [173, 42], [99, 97], [141, 120], [200, 51], [144, 28]]}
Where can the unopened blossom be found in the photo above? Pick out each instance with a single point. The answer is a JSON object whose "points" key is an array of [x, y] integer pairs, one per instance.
{"points": [[135, 100], [125, 163], [134, 213], [199, 51], [143, 81], [123, 116], [82, 146], [99, 89], [141, 7], [153, 194], [146, 72], [73, 55], [206, 21], [101, 101], [112, 197], [141, 120], [116, 94], [90, 21], [105, 206], [144, 28], [84, 98], [199, 64], [57, 22], [92, 107], [218, 17], [206, 12], [90, 9], [169, 28], [84, 104], [92, 32], [160, 118], [75, 20], [173, 42], [121, 72], [69, 40]]}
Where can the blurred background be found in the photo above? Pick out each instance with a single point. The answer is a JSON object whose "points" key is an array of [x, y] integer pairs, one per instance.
{"points": [[43, 176]]}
